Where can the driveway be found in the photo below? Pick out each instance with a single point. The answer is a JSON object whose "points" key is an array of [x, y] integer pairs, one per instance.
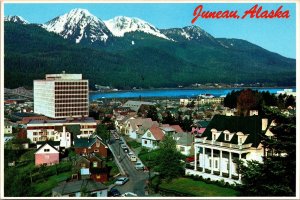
{"points": [[137, 178]]}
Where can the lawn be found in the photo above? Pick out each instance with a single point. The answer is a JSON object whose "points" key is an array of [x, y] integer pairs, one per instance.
{"points": [[45, 188], [133, 144], [197, 188], [148, 158]]}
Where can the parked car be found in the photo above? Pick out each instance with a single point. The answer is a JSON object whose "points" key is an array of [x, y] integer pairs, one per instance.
{"points": [[126, 150], [116, 136], [139, 165], [114, 193], [133, 158], [123, 146], [129, 194], [130, 153], [121, 180]]}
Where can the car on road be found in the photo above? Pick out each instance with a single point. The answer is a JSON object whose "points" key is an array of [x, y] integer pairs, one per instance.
{"points": [[126, 150], [129, 194], [116, 136], [121, 180], [139, 165], [123, 146], [114, 193]]}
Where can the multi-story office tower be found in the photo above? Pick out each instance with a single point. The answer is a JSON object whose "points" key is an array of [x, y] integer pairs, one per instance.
{"points": [[61, 96]]}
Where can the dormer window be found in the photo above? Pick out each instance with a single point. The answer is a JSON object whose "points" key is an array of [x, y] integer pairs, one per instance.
{"points": [[227, 133], [226, 137], [240, 140]]}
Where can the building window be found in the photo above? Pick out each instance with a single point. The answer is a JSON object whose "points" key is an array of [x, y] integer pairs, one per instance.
{"points": [[210, 163], [182, 149], [96, 150], [214, 136], [240, 140], [145, 141], [95, 164], [46, 150], [216, 164], [226, 137]]}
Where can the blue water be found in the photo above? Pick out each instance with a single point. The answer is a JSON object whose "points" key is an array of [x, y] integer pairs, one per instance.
{"points": [[173, 93]]}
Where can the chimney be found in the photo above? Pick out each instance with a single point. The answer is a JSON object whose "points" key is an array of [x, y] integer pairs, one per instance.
{"points": [[264, 124]]}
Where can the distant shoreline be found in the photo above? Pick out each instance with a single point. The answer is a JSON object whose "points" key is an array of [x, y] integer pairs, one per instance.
{"points": [[193, 88]]}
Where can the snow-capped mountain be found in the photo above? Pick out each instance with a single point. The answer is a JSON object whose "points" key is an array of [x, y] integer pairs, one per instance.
{"points": [[79, 25], [120, 25], [16, 19], [187, 33]]}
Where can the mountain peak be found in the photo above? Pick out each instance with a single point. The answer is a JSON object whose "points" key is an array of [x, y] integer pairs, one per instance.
{"points": [[120, 25], [16, 19], [79, 24]]}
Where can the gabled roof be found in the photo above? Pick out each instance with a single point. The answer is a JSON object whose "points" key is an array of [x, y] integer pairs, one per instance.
{"points": [[86, 142], [46, 144], [250, 125], [177, 128], [157, 133]]}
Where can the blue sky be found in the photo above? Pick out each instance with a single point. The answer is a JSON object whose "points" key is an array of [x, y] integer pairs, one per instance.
{"points": [[277, 35]]}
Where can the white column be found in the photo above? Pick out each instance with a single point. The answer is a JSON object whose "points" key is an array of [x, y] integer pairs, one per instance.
{"points": [[195, 158], [240, 176], [220, 163], [229, 162], [203, 169], [212, 162]]}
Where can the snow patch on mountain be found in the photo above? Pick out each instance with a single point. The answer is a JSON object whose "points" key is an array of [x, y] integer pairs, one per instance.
{"points": [[120, 25], [79, 24], [16, 19]]}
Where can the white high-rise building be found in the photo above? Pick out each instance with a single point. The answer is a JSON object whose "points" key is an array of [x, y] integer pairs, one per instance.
{"points": [[61, 96]]}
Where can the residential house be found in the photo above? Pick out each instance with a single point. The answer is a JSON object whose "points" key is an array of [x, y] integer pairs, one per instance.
{"points": [[226, 139], [135, 128], [93, 144], [91, 167], [121, 122], [80, 188], [184, 142], [152, 137], [7, 127], [46, 154]]}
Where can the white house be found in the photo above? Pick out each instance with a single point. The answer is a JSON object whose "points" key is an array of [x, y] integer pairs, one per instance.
{"points": [[152, 137], [184, 142], [135, 128], [226, 139]]}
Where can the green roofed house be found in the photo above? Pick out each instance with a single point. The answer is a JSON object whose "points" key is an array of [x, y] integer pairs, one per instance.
{"points": [[226, 139], [90, 145]]}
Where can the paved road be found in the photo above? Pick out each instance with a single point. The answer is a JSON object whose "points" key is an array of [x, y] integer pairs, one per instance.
{"points": [[137, 178]]}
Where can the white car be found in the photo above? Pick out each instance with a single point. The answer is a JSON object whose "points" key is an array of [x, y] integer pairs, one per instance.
{"points": [[129, 194], [138, 165], [121, 180]]}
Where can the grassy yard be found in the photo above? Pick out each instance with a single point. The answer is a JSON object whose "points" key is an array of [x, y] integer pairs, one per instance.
{"points": [[148, 158], [45, 188], [133, 144], [197, 188]]}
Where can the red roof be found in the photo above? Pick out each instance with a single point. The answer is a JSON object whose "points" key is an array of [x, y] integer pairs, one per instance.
{"points": [[177, 128], [157, 133]]}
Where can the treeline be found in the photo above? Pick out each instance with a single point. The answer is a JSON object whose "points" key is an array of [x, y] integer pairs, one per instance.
{"points": [[257, 100]]}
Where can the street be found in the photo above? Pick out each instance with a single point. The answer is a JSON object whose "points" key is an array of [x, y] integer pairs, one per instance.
{"points": [[137, 178]]}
